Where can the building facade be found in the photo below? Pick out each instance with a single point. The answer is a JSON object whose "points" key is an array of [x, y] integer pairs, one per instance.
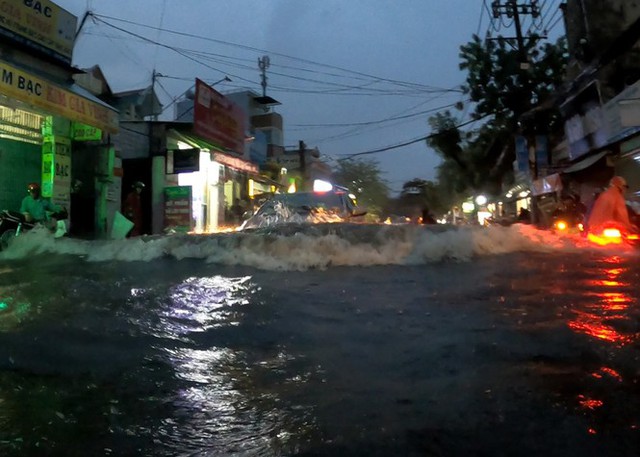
{"points": [[49, 125]]}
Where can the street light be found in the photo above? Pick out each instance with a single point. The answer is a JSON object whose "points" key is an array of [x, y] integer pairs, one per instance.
{"points": [[226, 78]]}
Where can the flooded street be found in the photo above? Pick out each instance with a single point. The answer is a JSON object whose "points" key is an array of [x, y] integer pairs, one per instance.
{"points": [[503, 353]]}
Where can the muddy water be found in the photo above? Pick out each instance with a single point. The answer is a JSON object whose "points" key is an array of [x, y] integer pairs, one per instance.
{"points": [[514, 354]]}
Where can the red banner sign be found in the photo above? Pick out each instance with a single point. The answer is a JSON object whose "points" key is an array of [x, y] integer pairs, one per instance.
{"points": [[217, 119], [235, 163]]}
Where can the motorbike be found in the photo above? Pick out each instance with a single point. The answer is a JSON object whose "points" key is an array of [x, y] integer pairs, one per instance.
{"points": [[14, 223], [568, 222], [612, 233]]}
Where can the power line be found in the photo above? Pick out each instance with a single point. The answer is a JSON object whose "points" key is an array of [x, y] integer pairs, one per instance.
{"points": [[482, 8], [415, 140], [340, 90], [358, 130], [353, 72], [177, 50], [552, 26], [407, 116]]}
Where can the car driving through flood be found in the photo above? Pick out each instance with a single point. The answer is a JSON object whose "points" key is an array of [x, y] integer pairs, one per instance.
{"points": [[306, 207]]}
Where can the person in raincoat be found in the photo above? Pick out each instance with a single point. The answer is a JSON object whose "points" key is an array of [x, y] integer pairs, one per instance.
{"points": [[132, 208], [610, 206], [36, 208]]}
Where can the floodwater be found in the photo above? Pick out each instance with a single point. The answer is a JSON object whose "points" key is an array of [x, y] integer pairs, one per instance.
{"points": [[322, 341]]}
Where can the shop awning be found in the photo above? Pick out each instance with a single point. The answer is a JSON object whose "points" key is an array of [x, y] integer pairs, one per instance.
{"points": [[195, 141], [217, 153], [547, 185], [266, 180], [585, 163], [513, 193]]}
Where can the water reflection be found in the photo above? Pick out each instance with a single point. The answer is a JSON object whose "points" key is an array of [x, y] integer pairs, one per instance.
{"points": [[195, 305], [226, 394], [607, 299], [222, 405], [13, 310]]}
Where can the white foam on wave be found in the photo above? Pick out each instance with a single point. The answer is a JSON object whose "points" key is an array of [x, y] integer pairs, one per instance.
{"points": [[303, 247]]}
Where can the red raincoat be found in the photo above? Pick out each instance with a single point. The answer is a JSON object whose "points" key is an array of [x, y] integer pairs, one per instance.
{"points": [[132, 209], [609, 207]]}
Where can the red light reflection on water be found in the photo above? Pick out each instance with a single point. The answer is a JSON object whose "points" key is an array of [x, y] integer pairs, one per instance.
{"points": [[589, 403], [608, 371], [611, 302]]}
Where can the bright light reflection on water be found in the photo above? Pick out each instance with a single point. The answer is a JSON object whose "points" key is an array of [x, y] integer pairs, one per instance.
{"points": [[220, 404], [220, 408], [195, 305]]}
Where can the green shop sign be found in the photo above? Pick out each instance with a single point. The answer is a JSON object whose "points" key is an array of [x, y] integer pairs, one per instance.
{"points": [[178, 208], [84, 132]]}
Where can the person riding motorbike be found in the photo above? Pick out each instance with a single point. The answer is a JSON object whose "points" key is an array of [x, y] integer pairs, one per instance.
{"points": [[37, 209], [610, 206], [569, 211]]}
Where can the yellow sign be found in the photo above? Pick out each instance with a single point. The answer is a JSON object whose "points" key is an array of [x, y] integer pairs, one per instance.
{"points": [[41, 24], [39, 92]]}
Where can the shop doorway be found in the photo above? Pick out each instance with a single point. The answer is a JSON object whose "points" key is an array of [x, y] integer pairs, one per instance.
{"points": [[138, 170]]}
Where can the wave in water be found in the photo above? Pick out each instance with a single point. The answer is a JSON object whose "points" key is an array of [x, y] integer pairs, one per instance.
{"points": [[303, 246]]}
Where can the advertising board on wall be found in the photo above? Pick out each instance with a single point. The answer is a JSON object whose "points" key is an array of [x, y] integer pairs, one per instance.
{"points": [[34, 90], [84, 132], [182, 161], [177, 208], [217, 119], [40, 25], [56, 171]]}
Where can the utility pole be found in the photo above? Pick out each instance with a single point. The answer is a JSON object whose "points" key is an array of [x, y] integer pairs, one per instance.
{"points": [[154, 76], [263, 64], [513, 9], [302, 149]]}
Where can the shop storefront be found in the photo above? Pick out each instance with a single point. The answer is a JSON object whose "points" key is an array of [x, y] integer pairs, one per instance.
{"points": [[216, 181], [43, 116], [212, 162]]}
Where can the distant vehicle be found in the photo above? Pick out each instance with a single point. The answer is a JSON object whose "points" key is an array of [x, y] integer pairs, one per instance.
{"points": [[306, 207]]}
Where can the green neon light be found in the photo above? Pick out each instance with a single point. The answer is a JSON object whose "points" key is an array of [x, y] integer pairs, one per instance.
{"points": [[47, 126]]}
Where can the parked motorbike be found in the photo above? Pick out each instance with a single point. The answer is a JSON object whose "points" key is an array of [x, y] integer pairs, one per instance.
{"points": [[14, 223]]}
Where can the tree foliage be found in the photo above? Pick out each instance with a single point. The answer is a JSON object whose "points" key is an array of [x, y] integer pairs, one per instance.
{"points": [[364, 178], [508, 99]]}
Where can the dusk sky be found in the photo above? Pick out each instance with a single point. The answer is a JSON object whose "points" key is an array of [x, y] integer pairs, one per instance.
{"points": [[352, 75]]}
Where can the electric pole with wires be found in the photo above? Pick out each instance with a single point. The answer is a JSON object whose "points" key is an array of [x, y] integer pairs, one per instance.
{"points": [[514, 10]]}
